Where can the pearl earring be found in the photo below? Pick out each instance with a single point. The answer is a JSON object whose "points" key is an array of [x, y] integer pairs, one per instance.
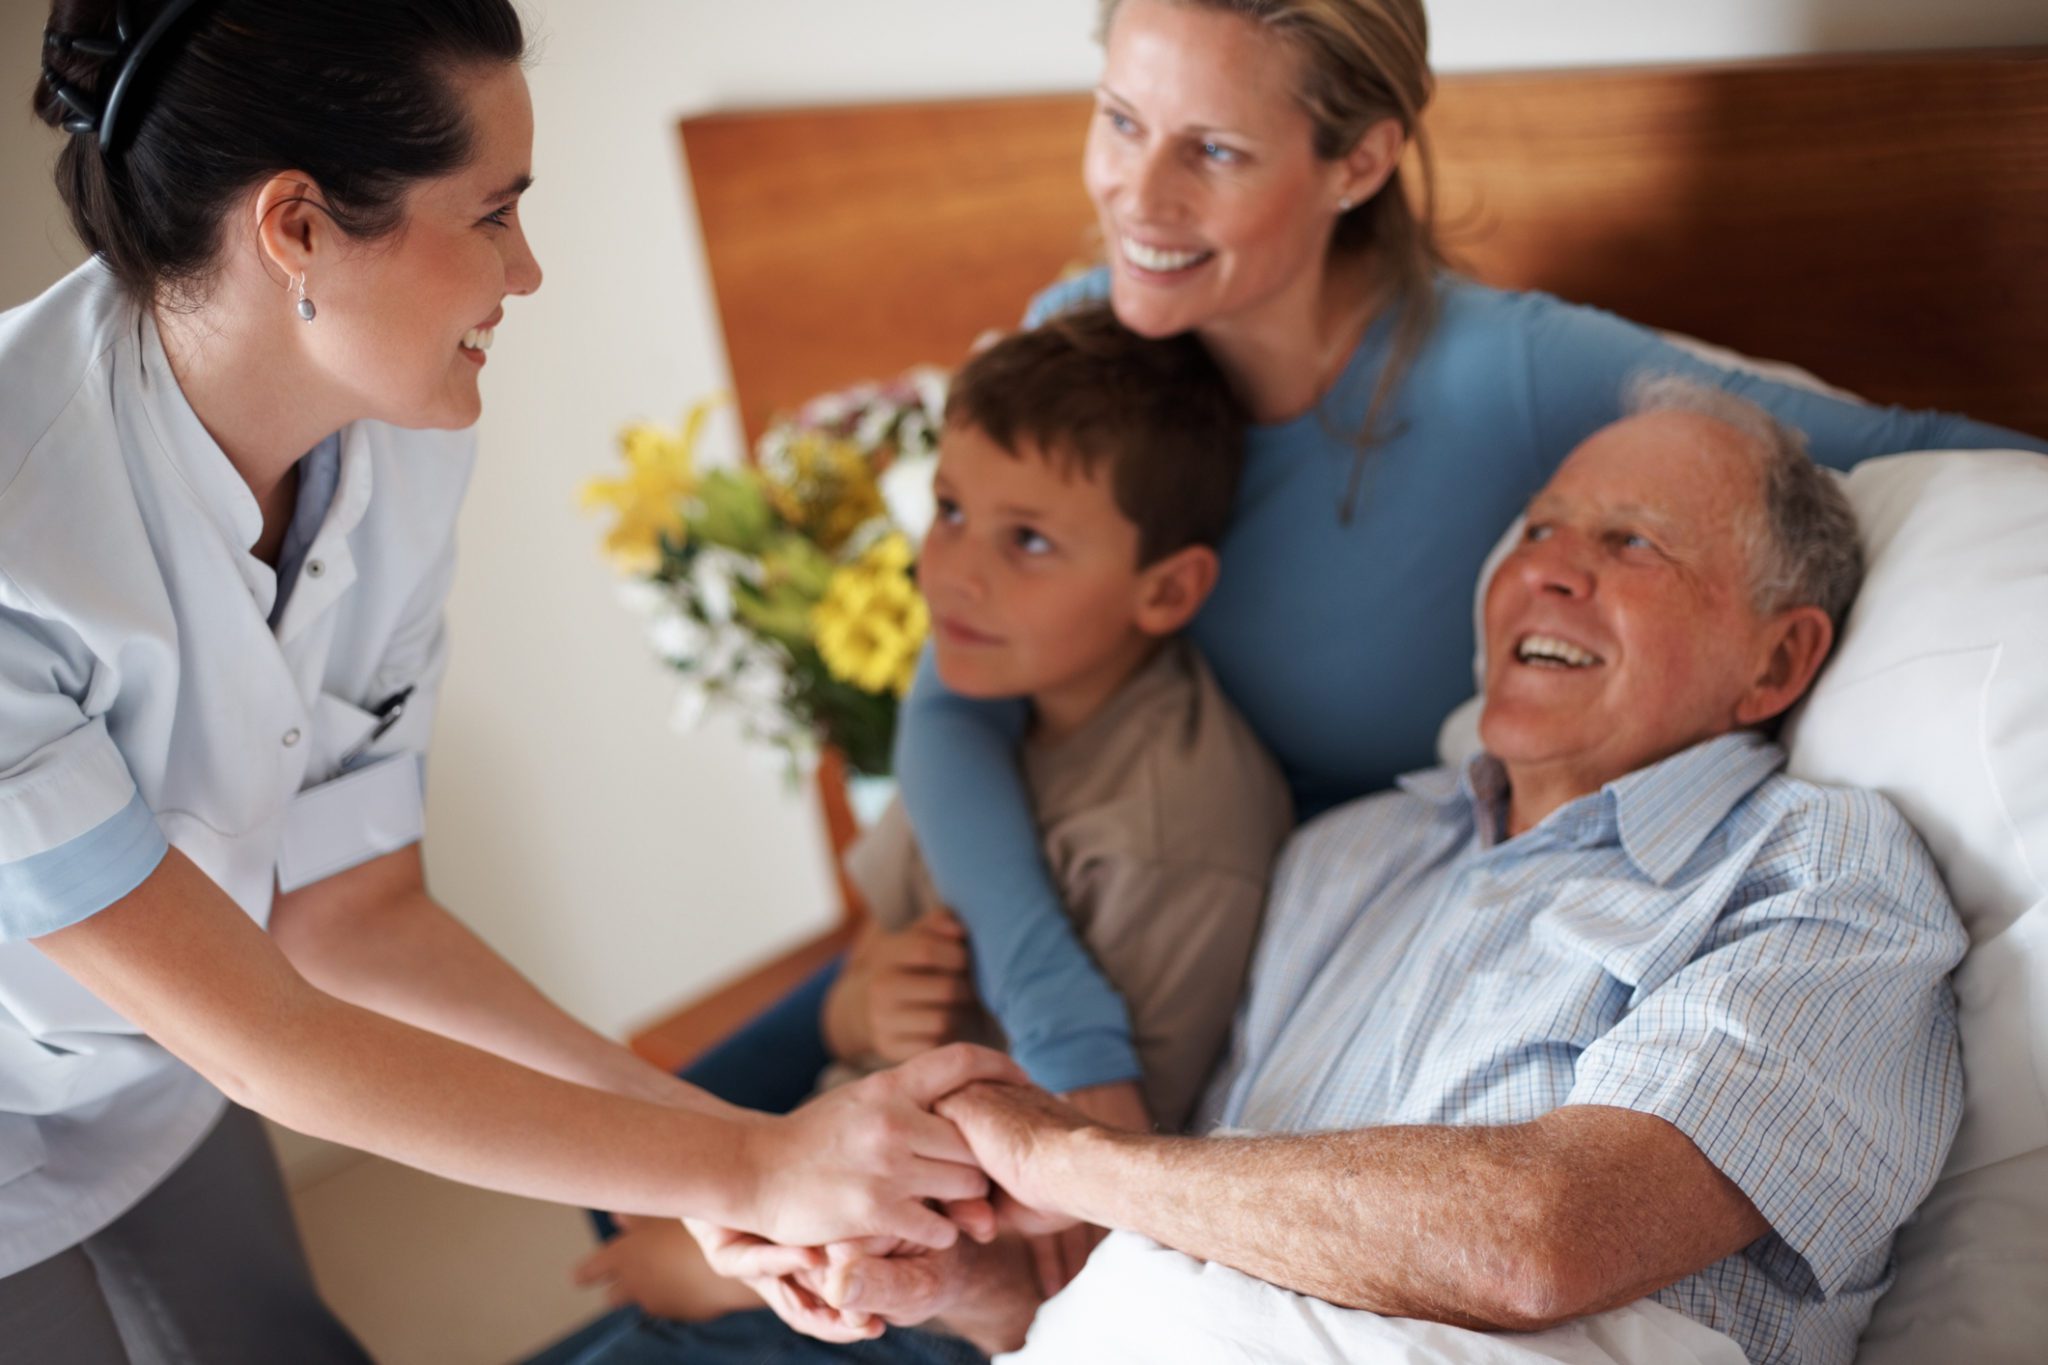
{"points": [[1344, 204], [307, 311]]}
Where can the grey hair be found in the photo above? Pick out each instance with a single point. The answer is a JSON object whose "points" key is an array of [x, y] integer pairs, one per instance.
{"points": [[1804, 549]]}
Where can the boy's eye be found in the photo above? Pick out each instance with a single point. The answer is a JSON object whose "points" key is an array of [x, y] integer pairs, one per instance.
{"points": [[1031, 542], [948, 511]]}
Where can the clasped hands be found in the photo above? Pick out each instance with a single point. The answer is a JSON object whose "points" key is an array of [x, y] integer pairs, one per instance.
{"points": [[902, 995], [852, 1290]]}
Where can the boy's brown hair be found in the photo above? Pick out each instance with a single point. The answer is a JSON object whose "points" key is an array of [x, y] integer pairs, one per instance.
{"points": [[1088, 392]]}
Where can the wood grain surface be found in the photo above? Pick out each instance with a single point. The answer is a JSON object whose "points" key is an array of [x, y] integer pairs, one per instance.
{"points": [[1879, 220]]}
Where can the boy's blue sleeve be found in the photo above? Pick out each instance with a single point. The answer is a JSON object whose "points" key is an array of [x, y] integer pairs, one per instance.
{"points": [[1580, 361], [956, 764]]}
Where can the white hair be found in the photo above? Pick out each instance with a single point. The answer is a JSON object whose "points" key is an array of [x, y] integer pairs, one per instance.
{"points": [[1803, 547]]}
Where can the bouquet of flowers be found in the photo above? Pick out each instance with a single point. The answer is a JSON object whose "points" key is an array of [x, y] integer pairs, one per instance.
{"points": [[782, 589]]}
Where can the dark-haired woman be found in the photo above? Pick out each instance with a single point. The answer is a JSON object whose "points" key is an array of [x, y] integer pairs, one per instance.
{"points": [[231, 450]]}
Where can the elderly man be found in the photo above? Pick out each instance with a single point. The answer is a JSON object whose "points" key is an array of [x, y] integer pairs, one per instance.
{"points": [[1616, 1010]]}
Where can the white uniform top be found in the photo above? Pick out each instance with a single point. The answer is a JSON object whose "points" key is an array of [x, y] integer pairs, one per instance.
{"points": [[146, 700]]}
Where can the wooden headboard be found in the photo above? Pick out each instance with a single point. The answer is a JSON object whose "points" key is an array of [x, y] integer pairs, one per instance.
{"points": [[1882, 221]]}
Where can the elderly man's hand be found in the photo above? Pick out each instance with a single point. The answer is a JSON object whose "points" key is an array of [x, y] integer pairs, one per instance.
{"points": [[1016, 1133], [896, 1282]]}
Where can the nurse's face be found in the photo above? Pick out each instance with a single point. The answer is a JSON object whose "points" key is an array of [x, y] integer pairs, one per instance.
{"points": [[404, 321]]}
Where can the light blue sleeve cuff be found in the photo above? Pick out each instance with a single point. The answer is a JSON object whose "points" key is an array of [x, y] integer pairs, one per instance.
{"points": [[61, 886], [1077, 1059]]}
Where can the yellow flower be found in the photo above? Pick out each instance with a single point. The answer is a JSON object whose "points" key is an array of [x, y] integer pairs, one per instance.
{"points": [[822, 485], [872, 620], [661, 473]]}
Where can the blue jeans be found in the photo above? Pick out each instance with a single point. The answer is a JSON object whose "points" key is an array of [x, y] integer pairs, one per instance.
{"points": [[630, 1337], [771, 1064]]}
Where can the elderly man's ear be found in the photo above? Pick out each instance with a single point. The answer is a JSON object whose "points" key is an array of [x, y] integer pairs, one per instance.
{"points": [[1795, 644]]}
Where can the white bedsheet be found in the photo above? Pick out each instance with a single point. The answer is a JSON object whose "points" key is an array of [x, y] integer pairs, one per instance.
{"points": [[1136, 1302]]}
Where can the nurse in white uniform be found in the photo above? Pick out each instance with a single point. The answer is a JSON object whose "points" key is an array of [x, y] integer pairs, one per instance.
{"points": [[231, 451]]}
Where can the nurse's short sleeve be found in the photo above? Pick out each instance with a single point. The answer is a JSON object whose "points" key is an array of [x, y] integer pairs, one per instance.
{"points": [[75, 834]]}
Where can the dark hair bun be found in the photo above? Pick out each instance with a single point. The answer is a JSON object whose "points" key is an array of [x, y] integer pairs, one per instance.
{"points": [[361, 95], [70, 20]]}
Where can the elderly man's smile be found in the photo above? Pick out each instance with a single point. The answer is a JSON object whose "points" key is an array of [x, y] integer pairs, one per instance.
{"points": [[1554, 651]]}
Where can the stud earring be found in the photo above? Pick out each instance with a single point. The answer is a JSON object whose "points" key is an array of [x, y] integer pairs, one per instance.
{"points": [[307, 311], [1344, 204]]}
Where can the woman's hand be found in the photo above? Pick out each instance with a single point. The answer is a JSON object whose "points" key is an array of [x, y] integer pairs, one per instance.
{"points": [[861, 1160], [901, 993]]}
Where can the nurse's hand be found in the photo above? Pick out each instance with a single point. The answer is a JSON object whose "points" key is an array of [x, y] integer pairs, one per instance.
{"points": [[861, 1160]]}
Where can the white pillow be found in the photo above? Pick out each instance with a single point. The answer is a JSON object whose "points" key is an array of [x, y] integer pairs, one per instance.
{"points": [[1937, 696]]}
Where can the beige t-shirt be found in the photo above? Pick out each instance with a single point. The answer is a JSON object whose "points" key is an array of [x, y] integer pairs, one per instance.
{"points": [[1161, 818]]}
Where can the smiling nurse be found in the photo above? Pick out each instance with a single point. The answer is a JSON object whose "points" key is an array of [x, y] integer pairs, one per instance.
{"points": [[232, 446]]}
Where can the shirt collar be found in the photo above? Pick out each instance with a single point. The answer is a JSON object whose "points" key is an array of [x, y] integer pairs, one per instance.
{"points": [[191, 449], [1660, 814], [1667, 810]]}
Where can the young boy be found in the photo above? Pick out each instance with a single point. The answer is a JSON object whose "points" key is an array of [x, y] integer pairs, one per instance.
{"points": [[1085, 477]]}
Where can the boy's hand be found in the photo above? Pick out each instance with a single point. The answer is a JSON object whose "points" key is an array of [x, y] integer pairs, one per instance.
{"points": [[654, 1265], [901, 993]]}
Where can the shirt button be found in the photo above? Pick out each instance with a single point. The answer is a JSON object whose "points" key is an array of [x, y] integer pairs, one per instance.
{"points": [[291, 737], [314, 568]]}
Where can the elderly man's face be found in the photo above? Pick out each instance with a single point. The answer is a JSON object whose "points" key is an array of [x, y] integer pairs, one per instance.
{"points": [[1621, 630]]}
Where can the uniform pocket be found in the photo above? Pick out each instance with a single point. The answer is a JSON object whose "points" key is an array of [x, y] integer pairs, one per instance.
{"points": [[340, 729]]}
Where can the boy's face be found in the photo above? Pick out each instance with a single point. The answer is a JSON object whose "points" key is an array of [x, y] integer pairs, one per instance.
{"points": [[1032, 578]]}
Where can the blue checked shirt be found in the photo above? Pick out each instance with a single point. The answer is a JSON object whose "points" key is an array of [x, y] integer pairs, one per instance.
{"points": [[1761, 962]]}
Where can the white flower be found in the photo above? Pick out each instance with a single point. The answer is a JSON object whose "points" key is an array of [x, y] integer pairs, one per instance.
{"points": [[678, 639], [758, 680], [930, 383], [907, 491], [830, 408], [914, 438], [711, 578], [874, 424], [688, 711]]}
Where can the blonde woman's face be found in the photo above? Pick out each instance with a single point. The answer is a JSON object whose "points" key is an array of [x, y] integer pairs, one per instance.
{"points": [[1215, 209]]}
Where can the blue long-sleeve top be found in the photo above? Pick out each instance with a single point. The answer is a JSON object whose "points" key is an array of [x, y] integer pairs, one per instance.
{"points": [[1344, 644]]}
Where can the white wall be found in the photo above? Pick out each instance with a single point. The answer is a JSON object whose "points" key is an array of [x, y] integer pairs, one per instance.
{"points": [[621, 865]]}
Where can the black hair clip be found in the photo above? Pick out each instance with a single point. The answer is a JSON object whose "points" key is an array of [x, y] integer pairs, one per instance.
{"points": [[131, 50], [85, 111], [98, 48]]}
